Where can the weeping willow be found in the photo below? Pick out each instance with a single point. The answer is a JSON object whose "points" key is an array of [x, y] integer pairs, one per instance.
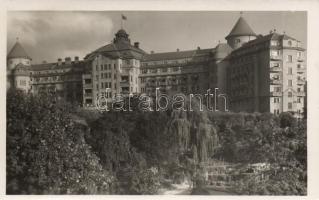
{"points": [[193, 132]]}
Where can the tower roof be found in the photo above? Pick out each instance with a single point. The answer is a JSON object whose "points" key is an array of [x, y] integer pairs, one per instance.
{"points": [[18, 51], [122, 37], [241, 28]]}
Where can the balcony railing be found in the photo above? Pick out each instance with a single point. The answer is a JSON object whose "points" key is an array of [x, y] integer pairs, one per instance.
{"points": [[88, 85], [275, 94], [275, 82], [124, 83], [301, 94], [88, 94], [300, 59], [301, 69], [272, 57], [301, 81], [275, 69]]}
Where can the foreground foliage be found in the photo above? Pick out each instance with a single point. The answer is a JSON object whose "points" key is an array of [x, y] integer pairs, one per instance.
{"points": [[46, 151]]}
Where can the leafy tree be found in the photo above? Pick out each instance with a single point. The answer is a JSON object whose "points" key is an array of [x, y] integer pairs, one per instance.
{"points": [[46, 151]]}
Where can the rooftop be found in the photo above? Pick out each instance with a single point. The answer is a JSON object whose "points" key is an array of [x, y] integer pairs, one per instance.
{"points": [[177, 54], [241, 28], [18, 51], [120, 48]]}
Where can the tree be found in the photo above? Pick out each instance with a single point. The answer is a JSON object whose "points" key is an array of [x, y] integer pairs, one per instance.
{"points": [[46, 150]]}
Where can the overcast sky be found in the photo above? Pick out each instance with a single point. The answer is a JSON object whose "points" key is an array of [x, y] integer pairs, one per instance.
{"points": [[50, 35]]}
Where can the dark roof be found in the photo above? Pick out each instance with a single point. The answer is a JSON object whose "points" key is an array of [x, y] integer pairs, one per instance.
{"points": [[120, 48], [267, 38], [54, 66], [271, 36], [117, 50], [241, 28], [18, 51], [177, 54]]}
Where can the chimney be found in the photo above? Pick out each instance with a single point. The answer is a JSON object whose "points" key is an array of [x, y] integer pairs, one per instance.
{"points": [[152, 52], [198, 48], [76, 59], [136, 44], [67, 60], [44, 62], [177, 50], [59, 61]]}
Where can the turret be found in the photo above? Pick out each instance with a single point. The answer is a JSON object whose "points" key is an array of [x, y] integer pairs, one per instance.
{"points": [[240, 34], [18, 65]]}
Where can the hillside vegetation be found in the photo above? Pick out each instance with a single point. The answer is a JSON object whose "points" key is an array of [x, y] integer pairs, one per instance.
{"points": [[55, 148]]}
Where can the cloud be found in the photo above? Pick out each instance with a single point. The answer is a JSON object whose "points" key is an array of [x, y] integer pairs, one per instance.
{"points": [[49, 35]]}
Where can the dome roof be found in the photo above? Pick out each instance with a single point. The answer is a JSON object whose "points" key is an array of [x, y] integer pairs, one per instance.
{"points": [[18, 51], [241, 28], [122, 32], [121, 37]]}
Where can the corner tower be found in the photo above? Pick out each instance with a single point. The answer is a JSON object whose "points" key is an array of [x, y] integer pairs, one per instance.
{"points": [[17, 55], [18, 65], [240, 34]]}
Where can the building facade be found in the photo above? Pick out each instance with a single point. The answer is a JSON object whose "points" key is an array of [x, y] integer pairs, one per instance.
{"points": [[258, 73]]}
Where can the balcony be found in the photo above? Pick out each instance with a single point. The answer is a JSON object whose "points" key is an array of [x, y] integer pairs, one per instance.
{"points": [[275, 94], [124, 83], [272, 57], [275, 81], [301, 94], [275, 69], [301, 81], [300, 59], [301, 69], [88, 94], [88, 85]]}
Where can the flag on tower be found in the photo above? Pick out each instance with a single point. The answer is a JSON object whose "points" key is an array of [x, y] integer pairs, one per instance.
{"points": [[124, 17]]}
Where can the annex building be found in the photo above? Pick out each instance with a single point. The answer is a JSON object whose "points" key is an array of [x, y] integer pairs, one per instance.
{"points": [[258, 73]]}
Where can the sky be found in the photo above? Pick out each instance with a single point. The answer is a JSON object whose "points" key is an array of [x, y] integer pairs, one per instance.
{"points": [[49, 35]]}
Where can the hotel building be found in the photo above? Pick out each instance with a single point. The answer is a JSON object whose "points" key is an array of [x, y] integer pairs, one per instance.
{"points": [[258, 73]]}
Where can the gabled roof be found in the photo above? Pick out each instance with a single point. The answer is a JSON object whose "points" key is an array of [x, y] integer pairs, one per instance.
{"points": [[241, 28], [18, 51]]}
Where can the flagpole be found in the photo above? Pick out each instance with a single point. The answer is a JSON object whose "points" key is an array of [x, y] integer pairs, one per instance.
{"points": [[121, 22]]}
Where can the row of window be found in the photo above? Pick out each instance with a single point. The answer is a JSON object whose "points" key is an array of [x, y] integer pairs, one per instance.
{"points": [[161, 70], [289, 43], [165, 62], [278, 89], [289, 58], [56, 78], [105, 67], [277, 99], [106, 85]]}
